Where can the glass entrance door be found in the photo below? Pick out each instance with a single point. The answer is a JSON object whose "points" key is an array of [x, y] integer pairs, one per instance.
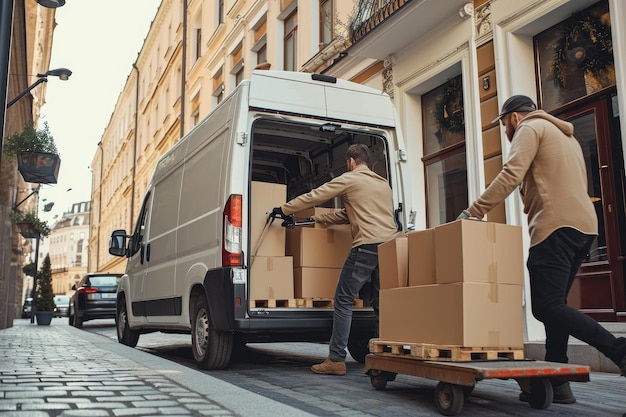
{"points": [[599, 287]]}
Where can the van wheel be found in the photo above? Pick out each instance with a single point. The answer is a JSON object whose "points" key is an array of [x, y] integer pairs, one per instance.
{"points": [[211, 348], [125, 335], [358, 347]]}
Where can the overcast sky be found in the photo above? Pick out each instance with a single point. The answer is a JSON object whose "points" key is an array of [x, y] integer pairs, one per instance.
{"points": [[98, 41]]}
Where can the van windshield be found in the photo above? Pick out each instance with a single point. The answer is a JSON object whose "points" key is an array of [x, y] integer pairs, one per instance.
{"points": [[305, 156]]}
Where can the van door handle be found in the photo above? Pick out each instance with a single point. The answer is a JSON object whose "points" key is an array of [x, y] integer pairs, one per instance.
{"points": [[141, 253], [148, 252]]}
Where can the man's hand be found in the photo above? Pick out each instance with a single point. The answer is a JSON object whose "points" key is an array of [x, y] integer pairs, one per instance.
{"points": [[288, 222], [464, 215], [277, 212]]}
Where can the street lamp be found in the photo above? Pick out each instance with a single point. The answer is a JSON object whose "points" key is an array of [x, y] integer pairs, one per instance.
{"points": [[51, 4], [62, 73]]}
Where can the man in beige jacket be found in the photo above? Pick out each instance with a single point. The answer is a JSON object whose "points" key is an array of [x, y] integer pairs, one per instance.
{"points": [[368, 209], [546, 162]]}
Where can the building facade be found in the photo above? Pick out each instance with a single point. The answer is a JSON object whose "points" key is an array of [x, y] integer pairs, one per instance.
{"points": [[448, 67], [68, 248], [29, 54]]}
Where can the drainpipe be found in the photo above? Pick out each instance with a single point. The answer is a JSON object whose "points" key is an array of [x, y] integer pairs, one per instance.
{"points": [[132, 194], [99, 206], [183, 71]]}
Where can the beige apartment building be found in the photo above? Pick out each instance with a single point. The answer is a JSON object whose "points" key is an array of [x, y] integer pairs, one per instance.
{"points": [[448, 65], [195, 54]]}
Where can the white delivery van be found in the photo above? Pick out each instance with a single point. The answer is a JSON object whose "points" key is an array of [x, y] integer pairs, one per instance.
{"points": [[191, 256]]}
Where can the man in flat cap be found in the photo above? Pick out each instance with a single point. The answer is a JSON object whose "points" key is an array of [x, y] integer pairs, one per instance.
{"points": [[546, 162]]}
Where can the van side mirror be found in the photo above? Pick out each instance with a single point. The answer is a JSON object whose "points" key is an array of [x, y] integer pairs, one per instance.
{"points": [[117, 244]]}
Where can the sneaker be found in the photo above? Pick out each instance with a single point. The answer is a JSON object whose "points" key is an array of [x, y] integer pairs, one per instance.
{"points": [[329, 367], [562, 394]]}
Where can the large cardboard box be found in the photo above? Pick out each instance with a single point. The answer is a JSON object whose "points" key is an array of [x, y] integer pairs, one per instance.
{"points": [[315, 282], [271, 278], [265, 196], [320, 248], [468, 314], [421, 247], [393, 263], [477, 251]]}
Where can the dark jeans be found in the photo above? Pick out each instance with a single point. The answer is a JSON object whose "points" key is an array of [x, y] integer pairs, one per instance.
{"points": [[360, 270], [553, 265]]}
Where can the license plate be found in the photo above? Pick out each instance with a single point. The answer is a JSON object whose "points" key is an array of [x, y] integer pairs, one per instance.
{"points": [[108, 295]]}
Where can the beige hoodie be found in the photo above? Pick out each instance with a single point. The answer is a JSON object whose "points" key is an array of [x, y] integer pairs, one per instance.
{"points": [[547, 163], [368, 205]]}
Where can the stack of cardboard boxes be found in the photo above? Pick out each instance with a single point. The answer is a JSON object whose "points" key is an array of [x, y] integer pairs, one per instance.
{"points": [[302, 262], [457, 284]]}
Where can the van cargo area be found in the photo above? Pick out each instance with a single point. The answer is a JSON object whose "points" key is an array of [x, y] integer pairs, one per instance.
{"points": [[298, 268]]}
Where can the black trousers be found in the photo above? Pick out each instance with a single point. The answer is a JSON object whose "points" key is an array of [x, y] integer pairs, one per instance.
{"points": [[553, 265]]}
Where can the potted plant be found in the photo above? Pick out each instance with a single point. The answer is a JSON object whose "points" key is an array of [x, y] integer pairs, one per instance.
{"points": [[30, 226], [44, 300], [36, 152]]}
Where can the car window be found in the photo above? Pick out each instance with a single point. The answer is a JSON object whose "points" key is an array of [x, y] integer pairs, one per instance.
{"points": [[104, 281], [61, 300]]}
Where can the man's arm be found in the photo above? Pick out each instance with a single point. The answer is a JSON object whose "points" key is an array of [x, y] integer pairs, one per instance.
{"points": [[320, 195], [333, 217], [523, 150]]}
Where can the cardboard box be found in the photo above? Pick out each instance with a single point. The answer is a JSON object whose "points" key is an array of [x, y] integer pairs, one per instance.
{"points": [[421, 247], [393, 263], [321, 248], [271, 278], [468, 314], [477, 251], [315, 282], [264, 197]]}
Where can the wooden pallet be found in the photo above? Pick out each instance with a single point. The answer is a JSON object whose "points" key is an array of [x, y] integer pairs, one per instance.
{"points": [[452, 353], [274, 303], [300, 303]]}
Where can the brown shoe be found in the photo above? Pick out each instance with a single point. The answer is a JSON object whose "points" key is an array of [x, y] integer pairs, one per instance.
{"points": [[329, 367]]}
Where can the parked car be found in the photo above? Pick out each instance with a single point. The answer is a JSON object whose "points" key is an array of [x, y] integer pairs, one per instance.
{"points": [[62, 305], [94, 298], [26, 308]]}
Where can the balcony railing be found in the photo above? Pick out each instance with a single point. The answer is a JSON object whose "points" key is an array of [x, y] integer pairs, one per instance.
{"points": [[371, 13]]}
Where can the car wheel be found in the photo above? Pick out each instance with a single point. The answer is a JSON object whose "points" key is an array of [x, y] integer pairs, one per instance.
{"points": [[125, 335], [212, 349], [78, 321], [70, 319]]}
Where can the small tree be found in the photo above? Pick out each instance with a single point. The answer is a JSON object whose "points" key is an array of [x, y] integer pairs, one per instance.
{"points": [[45, 295]]}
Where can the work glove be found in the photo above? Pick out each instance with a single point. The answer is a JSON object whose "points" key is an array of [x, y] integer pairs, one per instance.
{"points": [[277, 212], [288, 221], [464, 215]]}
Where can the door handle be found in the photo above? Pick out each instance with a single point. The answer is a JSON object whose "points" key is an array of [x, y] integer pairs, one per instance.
{"points": [[148, 252]]}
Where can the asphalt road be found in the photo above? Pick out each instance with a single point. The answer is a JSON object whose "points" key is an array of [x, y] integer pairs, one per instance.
{"points": [[280, 371]]}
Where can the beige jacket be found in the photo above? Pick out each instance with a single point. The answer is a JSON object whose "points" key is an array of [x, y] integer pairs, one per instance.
{"points": [[367, 200], [547, 163]]}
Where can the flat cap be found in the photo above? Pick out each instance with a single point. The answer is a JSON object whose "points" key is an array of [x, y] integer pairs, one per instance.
{"points": [[516, 103]]}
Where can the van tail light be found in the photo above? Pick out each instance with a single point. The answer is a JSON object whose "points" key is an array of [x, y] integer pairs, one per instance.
{"points": [[231, 234]]}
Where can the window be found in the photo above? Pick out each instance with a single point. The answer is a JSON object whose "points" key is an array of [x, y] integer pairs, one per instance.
{"points": [[260, 41], [197, 43], [237, 64], [220, 12], [575, 57], [290, 41], [218, 86], [326, 22], [444, 152]]}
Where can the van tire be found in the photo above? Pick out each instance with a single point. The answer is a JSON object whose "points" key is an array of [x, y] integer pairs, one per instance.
{"points": [[212, 349], [359, 348], [125, 335]]}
